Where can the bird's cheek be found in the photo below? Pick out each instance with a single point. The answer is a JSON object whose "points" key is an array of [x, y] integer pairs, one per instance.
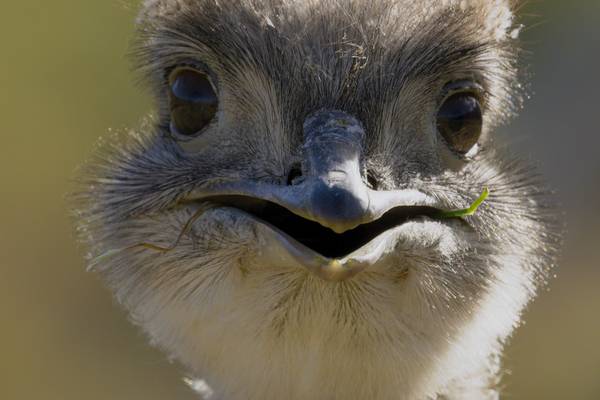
{"points": [[426, 247]]}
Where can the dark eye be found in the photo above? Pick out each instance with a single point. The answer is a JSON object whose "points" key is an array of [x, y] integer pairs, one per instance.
{"points": [[193, 101], [459, 121]]}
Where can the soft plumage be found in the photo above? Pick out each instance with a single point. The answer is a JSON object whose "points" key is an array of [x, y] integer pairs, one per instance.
{"points": [[429, 319]]}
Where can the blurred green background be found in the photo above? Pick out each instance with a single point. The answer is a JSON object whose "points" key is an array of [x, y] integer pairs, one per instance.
{"points": [[65, 80]]}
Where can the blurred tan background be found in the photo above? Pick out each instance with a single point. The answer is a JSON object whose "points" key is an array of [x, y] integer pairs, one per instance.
{"points": [[65, 81]]}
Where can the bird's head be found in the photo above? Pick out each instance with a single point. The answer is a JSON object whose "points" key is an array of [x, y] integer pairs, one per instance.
{"points": [[290, 188]]}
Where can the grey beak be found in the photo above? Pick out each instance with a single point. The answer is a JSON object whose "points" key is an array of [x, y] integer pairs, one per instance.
{"points": [[336, 196], [331, 190]]}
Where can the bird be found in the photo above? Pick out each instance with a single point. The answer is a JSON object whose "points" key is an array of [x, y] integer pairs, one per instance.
{"points": [[287, 222]]}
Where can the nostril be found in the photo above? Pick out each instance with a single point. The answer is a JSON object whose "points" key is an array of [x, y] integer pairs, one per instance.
{"points": [[372, 180], [294, 174]]}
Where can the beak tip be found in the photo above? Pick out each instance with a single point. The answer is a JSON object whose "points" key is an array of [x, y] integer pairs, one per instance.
{"points": [[338, 208]]}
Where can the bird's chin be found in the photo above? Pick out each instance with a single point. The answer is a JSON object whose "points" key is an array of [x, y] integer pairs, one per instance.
{"points": [[276, 247]]}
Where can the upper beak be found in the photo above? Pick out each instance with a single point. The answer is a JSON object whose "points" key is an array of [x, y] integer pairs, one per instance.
{"points": [[335, 196], [331, 191]]}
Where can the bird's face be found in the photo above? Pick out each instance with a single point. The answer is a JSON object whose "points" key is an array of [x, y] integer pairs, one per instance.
{"points": [[284, 202]]}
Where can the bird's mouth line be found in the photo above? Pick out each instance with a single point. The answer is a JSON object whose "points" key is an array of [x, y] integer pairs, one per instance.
{"points": [[314, 236], [330, 255]]}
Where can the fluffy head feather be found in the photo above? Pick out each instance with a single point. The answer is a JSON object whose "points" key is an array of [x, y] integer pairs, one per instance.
{"points": [[427, 323]]}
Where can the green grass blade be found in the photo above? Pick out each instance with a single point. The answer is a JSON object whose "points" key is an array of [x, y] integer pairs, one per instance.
{"points": [[466, 211]]}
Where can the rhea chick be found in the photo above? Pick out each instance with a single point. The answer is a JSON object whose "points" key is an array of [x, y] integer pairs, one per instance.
{"points": [[276, 225]]}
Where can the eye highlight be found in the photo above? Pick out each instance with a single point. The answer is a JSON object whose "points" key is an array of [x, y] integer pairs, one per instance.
{"points": [[193, 101], [460, 121]]}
